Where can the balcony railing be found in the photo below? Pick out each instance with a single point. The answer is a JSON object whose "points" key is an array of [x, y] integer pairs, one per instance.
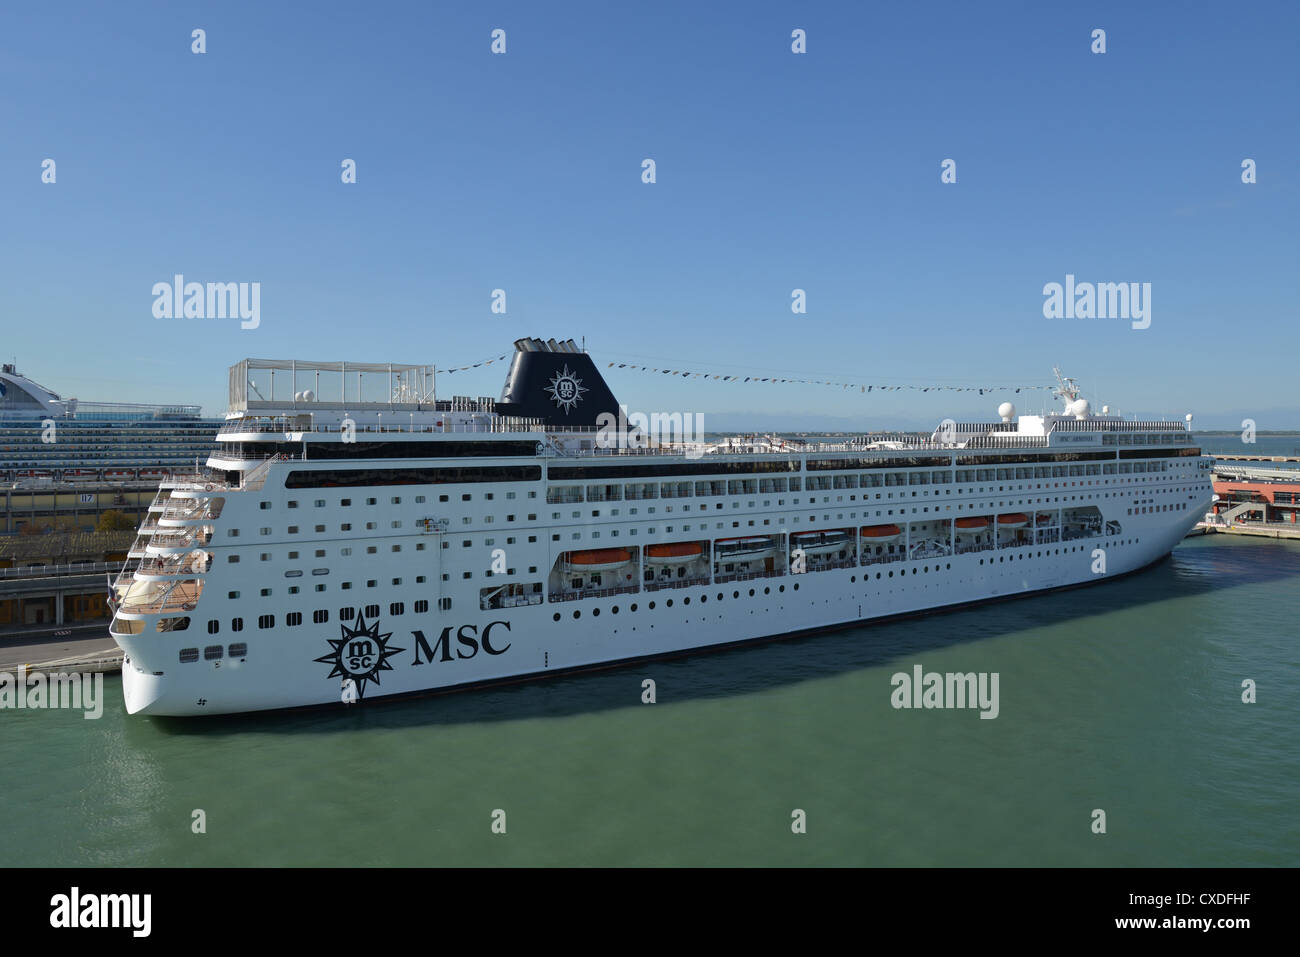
{"points": [[177, 596], [726, 577], [561, 596], [882, 559], [677, 583]]}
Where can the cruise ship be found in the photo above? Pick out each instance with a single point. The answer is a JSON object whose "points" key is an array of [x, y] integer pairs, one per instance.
{"points": [[46, 438], [343, 546]]}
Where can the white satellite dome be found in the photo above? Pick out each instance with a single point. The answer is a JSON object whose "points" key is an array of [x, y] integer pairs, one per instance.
{"points": [[308, 395], [1079, 408], [1006, 411], [1105, 410]]}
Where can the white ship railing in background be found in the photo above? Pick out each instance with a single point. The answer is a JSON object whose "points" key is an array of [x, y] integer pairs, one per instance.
{"points": [[52, 571]]}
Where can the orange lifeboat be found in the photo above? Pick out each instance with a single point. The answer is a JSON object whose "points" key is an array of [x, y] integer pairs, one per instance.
{"points": [[880, 533], [600, 559], [1013, 520], [673, 553], [972, 524]]}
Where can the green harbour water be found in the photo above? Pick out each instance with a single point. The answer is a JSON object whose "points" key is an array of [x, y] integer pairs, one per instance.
{"points": [[1124, 696]]}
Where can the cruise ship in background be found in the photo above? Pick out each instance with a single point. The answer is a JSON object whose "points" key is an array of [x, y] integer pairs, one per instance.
{"points": [[94, 441], [340, 547]]}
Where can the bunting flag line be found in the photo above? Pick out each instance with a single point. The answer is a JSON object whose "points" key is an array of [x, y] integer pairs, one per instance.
{"points": [[485, 362], [863, 387]]}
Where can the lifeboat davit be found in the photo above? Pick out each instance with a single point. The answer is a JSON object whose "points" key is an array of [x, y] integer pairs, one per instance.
{"points": [[673, 553], [1044, 518], [820, 543], [1013, 520], [599, 559], [881, 533], [750, 547], [969, 526]]}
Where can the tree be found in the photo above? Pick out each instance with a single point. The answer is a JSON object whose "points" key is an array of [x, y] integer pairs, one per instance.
{"points": [[114, 521]]}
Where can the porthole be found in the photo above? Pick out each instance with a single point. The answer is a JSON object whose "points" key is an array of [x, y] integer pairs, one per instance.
{"points": [[652, 606], [633, 608], [669, 603], [595, 612], [577, 614], [751, 593], [555, 617]]}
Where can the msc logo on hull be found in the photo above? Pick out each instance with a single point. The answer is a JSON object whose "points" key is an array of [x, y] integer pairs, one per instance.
{"points": [[361, 652]]}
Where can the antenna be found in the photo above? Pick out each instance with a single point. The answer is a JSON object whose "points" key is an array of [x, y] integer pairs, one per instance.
{"points": [[1066, 390]]}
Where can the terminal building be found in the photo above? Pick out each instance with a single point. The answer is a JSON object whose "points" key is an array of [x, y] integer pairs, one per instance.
{"points": [[1247, 494]]}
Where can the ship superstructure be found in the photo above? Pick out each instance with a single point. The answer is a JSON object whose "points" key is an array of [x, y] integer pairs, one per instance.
{"points": [[343, 545]]}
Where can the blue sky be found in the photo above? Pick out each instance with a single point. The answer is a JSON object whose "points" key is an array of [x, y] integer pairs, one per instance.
{"points": [[775, 171]]}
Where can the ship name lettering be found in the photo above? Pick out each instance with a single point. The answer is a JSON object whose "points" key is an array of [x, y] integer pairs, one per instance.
{"points": [[465, 636]]}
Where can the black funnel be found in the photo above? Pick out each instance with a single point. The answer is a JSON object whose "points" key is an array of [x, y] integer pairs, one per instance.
{"points": [[555, 382]]}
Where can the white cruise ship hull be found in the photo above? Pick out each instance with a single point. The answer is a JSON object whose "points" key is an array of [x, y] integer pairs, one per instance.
{"points": [[529, 643]]}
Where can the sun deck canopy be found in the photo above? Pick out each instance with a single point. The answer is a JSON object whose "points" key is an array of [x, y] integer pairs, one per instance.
{"points": [[298, 384]]}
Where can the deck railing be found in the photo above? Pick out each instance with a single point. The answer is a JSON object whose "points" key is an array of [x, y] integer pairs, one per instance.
{"points": [[56, 570]]}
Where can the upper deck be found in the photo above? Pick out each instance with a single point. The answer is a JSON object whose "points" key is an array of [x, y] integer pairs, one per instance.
{"points": [[349, 410]]}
